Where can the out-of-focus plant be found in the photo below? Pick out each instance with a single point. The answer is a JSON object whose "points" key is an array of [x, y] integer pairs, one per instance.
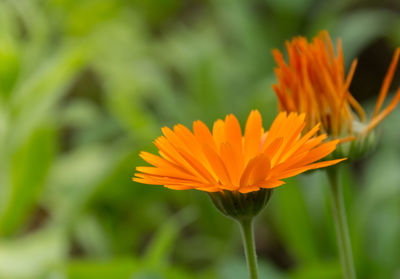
{"points": [[313, 81]]}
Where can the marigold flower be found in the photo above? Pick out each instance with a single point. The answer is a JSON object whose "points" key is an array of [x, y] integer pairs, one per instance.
{"points": [[224, 160], [314, 82]]}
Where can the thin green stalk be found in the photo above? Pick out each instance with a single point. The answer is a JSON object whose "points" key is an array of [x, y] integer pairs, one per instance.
{"points": [[342, 229], [246, 226]]}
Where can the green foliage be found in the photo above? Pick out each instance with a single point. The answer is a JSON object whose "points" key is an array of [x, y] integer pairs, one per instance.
{"points": [[85, 85]]}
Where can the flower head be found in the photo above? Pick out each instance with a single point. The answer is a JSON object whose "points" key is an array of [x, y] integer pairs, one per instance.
{"points": [[226, 160], [314, 82]]}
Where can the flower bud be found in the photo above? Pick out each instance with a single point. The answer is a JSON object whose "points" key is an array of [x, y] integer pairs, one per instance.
{"points": [[362, 144]]}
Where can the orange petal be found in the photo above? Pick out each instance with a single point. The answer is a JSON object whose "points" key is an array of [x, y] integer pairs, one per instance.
{"points": [[296, 171], [252, 135], [217, 165], [168, 152], [219, 132], [166, 172], [230, 161], [386, 82], [376, 120], [272, 148], [234, 133], [203, 134], [256, 170], [271, 184]]}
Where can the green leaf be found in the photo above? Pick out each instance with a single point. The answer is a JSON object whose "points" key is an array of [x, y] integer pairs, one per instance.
{"points": [[354, 34], [32, 255], [38, 95], [292, 220], [27, 178], [157, 253], [236, 268], [115, 268]]}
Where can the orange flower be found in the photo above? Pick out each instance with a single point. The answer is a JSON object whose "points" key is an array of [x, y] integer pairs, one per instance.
{"points": [[226, 160], [314, 82]]}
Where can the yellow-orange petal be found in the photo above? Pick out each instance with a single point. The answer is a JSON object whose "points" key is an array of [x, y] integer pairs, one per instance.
{"points": [[231, 161], [252, 135], [217, 165], [226, 160], [219, 132], [203, 134], [386, 82]]}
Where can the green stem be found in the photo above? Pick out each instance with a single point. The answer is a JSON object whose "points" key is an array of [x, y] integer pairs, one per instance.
{"points": [[246, 226], [342, 229]]}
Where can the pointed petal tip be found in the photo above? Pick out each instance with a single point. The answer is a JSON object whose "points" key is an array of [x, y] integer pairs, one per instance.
{"points": [[177, 127], [230, 117], [142, 154], [254, 114], [276, 51], [218, 121], [347, 139], [397, 52], [282, 114], [198, 122], [166, 130], [137, 179]]}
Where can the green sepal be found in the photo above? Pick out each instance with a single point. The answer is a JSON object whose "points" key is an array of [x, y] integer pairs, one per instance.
{"points": [[362, 145], [238, 205]]}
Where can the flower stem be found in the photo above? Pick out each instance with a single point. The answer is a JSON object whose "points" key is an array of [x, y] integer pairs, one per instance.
{"points": [[246, 226], [342, 229]]}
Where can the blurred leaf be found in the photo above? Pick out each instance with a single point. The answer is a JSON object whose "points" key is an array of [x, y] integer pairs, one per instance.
{"points": [[324, 270], [293, 222], [38, 95], [116, 268], [9, 50], [28, 177], [377, 207], [157, 252], [91, 237], [354, 34], [33, 36], [74, 179], [30, 256], [294, 6], [80, 18], [236, 268], [160, 11]]}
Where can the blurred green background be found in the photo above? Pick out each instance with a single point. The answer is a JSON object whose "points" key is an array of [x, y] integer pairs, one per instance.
{"points": [[86, 84]]}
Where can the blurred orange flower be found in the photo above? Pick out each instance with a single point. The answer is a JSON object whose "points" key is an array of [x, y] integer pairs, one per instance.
{"points": [[226, 160], [314, 82]]}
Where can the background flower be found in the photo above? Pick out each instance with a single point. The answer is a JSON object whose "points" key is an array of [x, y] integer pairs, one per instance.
{"points": [[314, 82]]}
